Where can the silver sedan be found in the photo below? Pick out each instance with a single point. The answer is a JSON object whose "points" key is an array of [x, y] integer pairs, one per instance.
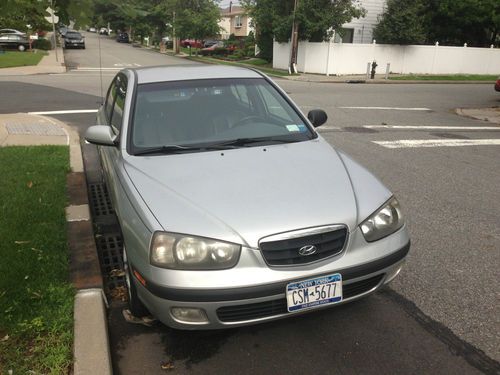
{"points": [[233, 209]]}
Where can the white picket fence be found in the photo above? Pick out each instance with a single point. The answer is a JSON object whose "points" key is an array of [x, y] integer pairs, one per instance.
{"points": [[342, 58]]}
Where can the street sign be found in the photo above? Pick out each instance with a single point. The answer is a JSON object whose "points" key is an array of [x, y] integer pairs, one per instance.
{"points": [[52, 18]]}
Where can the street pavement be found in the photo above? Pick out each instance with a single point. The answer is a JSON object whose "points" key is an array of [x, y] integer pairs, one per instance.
{"points": [[441, 315]]}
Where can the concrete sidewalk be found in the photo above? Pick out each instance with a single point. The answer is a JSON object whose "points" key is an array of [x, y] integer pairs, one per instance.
{"points": [[48, 64], [361, 78], [91, 343]]}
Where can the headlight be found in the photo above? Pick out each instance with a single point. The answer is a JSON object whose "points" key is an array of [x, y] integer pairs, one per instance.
{"points": [[180, 251], [384, 221]]}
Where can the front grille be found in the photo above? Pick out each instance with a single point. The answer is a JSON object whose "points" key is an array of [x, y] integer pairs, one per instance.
{"points": [[276, 307], [286, 252]]}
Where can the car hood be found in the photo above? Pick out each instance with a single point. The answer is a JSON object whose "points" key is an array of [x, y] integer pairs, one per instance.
{"points": [[245, 194]]}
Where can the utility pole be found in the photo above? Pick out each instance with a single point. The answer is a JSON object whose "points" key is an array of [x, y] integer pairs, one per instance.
{"points": [[174, 37], [295, 42], [54, 29]]}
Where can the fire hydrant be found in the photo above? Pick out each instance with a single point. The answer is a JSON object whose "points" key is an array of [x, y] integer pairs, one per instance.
{"points": [[374, 66]]}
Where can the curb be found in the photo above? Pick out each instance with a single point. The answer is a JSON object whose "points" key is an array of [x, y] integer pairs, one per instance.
{"points": [[91, 346], [91, 352], [389, 81]]}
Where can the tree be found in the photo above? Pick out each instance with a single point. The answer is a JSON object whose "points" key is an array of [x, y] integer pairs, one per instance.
{"points": [[17, 14], [197, 19], [475, 22], [401, 23], [317, 19]]}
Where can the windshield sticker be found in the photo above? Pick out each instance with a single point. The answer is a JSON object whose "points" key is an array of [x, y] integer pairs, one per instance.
{"points": [[292, 128], [302, 128]]}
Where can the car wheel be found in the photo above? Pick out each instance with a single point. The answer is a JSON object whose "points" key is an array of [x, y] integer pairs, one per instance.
{"points": [[21, 48], [136, 307]]}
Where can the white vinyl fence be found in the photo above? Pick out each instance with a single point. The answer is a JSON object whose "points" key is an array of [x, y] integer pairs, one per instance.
{"points": [[341, 59]]}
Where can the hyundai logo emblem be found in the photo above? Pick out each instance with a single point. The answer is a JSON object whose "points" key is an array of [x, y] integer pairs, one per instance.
{"points": [[308, 250]]}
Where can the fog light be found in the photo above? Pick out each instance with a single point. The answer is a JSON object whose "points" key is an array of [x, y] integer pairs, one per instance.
{"points": [[189, 315]]}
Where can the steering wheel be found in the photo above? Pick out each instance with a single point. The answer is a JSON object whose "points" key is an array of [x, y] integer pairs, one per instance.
{"points": [[246, 119]]}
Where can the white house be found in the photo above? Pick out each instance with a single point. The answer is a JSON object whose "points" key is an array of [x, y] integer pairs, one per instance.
{"points": [[235, 21], [360, 30]]}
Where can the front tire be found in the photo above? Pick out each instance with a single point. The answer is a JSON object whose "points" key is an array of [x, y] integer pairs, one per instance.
{"points": [[136, 307], [21, 48]]}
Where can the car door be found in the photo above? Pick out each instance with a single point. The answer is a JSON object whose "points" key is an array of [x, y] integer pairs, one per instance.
{"points": [[112, 116]]}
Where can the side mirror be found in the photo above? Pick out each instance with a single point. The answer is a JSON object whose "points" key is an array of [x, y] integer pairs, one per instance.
{"points": [[317, 117], [101, 135]]}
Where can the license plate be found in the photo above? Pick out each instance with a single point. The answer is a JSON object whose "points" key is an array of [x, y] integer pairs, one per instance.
{"points": [[314, 292]]}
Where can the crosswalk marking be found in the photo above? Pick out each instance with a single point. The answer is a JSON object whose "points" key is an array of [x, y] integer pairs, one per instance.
{"points": [[391, 108], [69, 111], [413, 143], [431, 127]]}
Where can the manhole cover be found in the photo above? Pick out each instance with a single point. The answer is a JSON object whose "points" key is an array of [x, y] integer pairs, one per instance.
{"points": [[34, 129]]}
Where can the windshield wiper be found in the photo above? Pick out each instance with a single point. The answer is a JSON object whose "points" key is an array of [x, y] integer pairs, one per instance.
{"points": [[178, 149], [242, 142], [231, 144]]}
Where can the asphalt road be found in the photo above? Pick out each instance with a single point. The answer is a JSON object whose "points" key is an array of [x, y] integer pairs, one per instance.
{"points": [[441, 315]]}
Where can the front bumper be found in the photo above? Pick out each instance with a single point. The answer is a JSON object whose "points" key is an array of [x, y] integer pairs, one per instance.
{"points": [[233, 307]]}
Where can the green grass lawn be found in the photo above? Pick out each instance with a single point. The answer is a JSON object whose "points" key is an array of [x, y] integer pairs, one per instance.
{"points": [[447, 77], [265, 68], [11, 59], [36, 298]]}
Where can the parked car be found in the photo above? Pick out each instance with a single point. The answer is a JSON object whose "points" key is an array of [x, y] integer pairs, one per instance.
{"points": [[191, 43], [12, 31], [74, 39], [209, 43], [233, 209], [91, 30], [14, 41], [217, 48], [103, 31], [122, 38], [63, 30], [497, 84], [167, 42], [212, 46]]}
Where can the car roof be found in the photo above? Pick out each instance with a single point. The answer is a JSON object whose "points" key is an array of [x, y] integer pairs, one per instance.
{"points": [[190, 72]]}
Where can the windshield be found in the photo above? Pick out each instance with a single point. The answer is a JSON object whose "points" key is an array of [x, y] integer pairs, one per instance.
{"points": [[221, 112], [73, 35]]}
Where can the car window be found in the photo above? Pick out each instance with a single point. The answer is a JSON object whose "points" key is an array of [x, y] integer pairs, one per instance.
{"points": [[240, 92], [120, 93], [212, 111], [274, 103], [110, 99]]}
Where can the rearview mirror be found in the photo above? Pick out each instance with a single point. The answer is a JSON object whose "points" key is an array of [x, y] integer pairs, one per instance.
{"points": [[317, 117], [101, 135]]}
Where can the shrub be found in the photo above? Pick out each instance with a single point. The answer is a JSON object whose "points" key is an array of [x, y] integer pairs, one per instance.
{"points": [[219, 51], [42, 44], [250, 50]]}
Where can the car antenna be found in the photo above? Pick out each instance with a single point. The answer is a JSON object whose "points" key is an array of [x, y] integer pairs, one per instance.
{"points": [[100, 65]]}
